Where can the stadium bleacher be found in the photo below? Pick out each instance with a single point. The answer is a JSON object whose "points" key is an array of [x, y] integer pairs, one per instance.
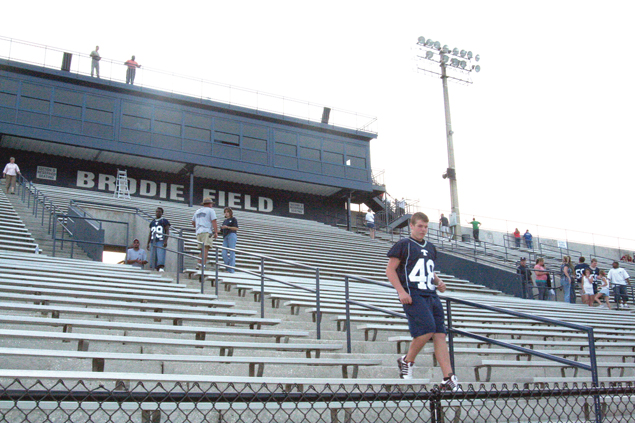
{"points": [[335, 252]]}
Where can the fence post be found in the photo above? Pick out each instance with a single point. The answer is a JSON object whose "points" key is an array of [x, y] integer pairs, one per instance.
{"points": [[262, 287], [318, 313], [54, 233], [216, 271], [594, 376], [448, 312], [348, 316]]}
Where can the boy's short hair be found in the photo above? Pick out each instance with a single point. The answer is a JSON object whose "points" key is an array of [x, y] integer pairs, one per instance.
{"points": [[581, 260], [419, 216]]}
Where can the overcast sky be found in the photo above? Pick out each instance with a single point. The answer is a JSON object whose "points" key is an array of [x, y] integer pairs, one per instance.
{"points": [[542, 138]]}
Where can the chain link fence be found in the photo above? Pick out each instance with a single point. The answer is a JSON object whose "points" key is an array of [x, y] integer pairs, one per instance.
{"points": [[83, 401]]}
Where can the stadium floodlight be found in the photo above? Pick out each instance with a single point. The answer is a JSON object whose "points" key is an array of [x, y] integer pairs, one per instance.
{"points": [[455, 65]]}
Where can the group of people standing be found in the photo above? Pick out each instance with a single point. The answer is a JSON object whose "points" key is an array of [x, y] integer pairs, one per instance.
{"points": [[131, 65], [206, 227], [527, 236], [593, 282]]}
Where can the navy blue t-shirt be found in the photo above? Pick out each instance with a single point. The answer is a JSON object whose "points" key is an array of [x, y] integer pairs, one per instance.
{"points": [[416, 264], [157, 227]]}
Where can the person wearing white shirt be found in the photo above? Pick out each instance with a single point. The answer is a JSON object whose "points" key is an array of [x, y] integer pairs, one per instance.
{"points": [[204, 221], [11, 172], [620, 279], [370, 223]]}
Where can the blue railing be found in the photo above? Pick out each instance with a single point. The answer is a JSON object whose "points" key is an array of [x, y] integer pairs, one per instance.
{"points": [[113, 70]]}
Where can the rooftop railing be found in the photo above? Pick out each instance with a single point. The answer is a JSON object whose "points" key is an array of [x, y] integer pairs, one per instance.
{"points": [[114, 70]]}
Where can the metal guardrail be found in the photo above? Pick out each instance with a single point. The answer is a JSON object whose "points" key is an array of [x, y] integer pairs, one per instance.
{"points": [[114, 70], [592, 367]]}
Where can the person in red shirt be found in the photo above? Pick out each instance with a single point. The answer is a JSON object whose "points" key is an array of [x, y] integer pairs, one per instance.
{"points": [[132, 69]]}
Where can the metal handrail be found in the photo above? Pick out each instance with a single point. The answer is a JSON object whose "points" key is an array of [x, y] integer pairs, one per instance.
{"points": [[113, 70], [262, 275], [589, 330]]}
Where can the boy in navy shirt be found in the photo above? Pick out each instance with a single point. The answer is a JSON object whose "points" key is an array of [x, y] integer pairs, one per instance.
{"points": [[411, 271]]}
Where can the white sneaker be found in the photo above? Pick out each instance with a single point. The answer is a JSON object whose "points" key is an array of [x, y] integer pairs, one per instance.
{"points": [[406, 369], [161, 269], [450, 384]]}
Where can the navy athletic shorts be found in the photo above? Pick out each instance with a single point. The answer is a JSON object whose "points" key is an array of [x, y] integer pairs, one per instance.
{"points": [[425, 314]]}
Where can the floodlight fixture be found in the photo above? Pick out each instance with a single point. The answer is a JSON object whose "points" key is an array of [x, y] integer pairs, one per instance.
{"points": [[445, 58], [455, 51], [454, 62], [463, 53], [421, 40], [477, 58], [463, 64], [446, 49], [429, 54], [429, 42], [477, 68], [437, 45], [469, 55]]}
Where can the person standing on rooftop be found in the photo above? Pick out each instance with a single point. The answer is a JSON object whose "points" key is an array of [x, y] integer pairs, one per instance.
{"points": [[132, 70], [94, 63]]}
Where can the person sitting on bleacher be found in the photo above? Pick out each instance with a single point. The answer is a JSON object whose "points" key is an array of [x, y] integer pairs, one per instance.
{"points": [[136, 256]]}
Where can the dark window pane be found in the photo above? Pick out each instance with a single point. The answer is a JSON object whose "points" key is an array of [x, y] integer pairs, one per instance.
{"points": [[167, 128], [35, 104], [135, 122], [333, 158], [222, 137], [227, 126], [253, 131], [36, 91], [198, 134], [67, 110], [255, 144], [310, 153], [286, 137], [286, 149], [356, 162], [99, 116]]}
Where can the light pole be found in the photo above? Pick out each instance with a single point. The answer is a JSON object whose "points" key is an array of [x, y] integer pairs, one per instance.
{"points": [[460, 67]]}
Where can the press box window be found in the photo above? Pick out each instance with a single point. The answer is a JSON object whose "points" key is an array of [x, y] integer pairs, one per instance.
{"points": [[227, 132]]}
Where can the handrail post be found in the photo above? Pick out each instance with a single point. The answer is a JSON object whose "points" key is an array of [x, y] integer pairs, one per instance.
{"points": [[348, 316], [216, 283], [594, 376], [262, 287], [448, 313], [318, 313], [203, 264], [54, 234]]}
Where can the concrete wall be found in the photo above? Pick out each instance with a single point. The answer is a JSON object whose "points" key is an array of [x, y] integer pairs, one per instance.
{"points": [[116, 234], [480, 274]]}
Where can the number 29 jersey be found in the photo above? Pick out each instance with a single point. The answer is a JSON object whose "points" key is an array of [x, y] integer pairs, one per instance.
{"points": [[416, 264]]}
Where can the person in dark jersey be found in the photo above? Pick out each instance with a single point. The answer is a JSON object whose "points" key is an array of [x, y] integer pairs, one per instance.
{"points": [[579, 272], [158, 240], [410, 270]]}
